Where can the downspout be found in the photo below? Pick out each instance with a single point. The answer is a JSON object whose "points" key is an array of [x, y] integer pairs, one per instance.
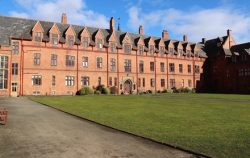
{"points": [[137, 72], [155, 73], [77, 70], [107, 67], [118, 82]]}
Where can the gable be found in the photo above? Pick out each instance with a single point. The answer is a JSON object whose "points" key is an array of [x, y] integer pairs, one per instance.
{"points": [[127, 39], [99, 34], [85, 32], [54, 29], [140, 41], [70, 31], [112, 37], [151, 41], [38, 27]]}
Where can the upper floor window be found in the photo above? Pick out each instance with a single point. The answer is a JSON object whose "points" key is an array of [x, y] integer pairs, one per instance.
{"points": [[36, 80], [152, 66], [14, 68], [53, 59], [70, 41], [54, 39], [85, 61], [162, 50], [70, 60], [112, 64], [3, 72], [180, 68], [69, 80], [151, 49], [85, 42], [15, 47], [197, 69], [37, 58], [99, 62], [171, 67], [141, 66], [38, 36], [127, 65], [99, 43], [127, 48], [162, 67], [141, 50], [112, 47]]}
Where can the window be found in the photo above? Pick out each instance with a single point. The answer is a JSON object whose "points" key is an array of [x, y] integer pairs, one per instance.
{"points": [[112, 64], [180, 52], [141, 66], [162, 82], [37, 57], [180, 68], [14, 87], [3, 72], [141, 50], [15, 47], [69, 80], [189, 83], [162, 66], [171, 67], [127, 65], [85, 81], [38, 36], [85, 42], [143, 82], [182, 83], [70, 41], [36, 80], [189, 69], [53, 83], [85, 61], [99, 62], [162, 50], [171, 50], [188, 53], [151, 49], [112, 47], [14, 68], [53, 59], [99, 80], [152, 66], [139, 82], [99, 44], [127, 48], [70, 60], [115, 81], [54, 39], [197, 69], [152, 82], [172, 83], [110, 81]]}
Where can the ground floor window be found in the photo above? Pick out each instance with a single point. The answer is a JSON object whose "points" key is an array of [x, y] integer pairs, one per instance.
{"points": [[3, 72], [152, 82], [115, 81], [110, 81], [139, 82], [14, 87], [162, 82], [69, 80], [189, 83], [36, 80], [143, 82], [53, 80], [85, 81], [172, 83]]}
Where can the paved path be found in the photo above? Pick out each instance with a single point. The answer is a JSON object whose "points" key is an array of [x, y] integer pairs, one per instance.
{"points": [[37, 131]]}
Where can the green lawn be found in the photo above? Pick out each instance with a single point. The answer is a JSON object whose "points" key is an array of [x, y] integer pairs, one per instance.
{"points": [[213, 124]]}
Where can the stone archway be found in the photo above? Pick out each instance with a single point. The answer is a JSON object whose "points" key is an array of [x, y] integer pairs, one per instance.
{"points": [[128, 85]]}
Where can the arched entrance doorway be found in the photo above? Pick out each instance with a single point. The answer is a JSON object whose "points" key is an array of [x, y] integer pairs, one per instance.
{"points": [[128, 86]]}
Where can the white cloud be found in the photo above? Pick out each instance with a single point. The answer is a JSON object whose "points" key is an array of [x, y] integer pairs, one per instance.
{"points": [[209, 23], [76, 10]]}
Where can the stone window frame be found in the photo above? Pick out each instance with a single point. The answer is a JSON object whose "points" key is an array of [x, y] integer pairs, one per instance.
{"points": [[36, 80]]}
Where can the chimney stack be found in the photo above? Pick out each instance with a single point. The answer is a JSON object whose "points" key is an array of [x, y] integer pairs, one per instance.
{"points": [[112, 24], [141, 30], [204, 40], [229, 32], [64, 19], [185, 38], [165, 34]]}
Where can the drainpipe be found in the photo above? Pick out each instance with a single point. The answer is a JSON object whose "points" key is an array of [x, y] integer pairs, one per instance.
{"points": [[137, 73]]}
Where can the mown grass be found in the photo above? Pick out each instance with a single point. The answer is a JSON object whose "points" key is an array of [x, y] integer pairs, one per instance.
{"points": [[213, 124]]}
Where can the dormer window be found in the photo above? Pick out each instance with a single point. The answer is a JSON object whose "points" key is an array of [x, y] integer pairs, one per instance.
{"points": [[38, 36], [162, 50], [99, 43], [196, 54], [70, 41], [54, 39], [188, 53], [180, 51], [151, 49], [112, 47], [171, 50], [127, 48], [85, 42], [141, 50]]}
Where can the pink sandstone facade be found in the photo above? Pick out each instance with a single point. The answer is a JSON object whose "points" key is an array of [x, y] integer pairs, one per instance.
{"points": [[48, 58]]}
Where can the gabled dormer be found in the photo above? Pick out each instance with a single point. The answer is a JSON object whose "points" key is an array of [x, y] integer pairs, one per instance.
{"points": [[99, 39], [54, 34], [160, 45], [37, 32], [85, 37], [127, 43], [228, 41], [170, 47], [150, 42], [112, 42], [140, 45], [70, 36], [187, 48], [178, 48], [195, 50]]}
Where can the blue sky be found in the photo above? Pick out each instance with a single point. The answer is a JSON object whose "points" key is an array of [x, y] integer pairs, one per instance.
{"points": [[196, 18]]}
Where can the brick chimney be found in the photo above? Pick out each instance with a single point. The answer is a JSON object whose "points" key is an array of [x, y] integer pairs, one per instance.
{"points": [[185, 39], [229, 32], [64, 19], [204, 40], [165, 34], [141, 30], [112, 24]]}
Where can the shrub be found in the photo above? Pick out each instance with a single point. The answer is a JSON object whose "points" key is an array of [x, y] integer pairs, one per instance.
{"points": [[85, 91], [158, 91], [164, 91], [149, 92], [97, 92], [105, 91], [113, 90], [141, 91], [100, 88], [175, 90]]}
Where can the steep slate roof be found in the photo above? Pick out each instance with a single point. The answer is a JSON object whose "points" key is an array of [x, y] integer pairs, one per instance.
{"points": [[212, 48], [18, 28], [240, 48]]}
